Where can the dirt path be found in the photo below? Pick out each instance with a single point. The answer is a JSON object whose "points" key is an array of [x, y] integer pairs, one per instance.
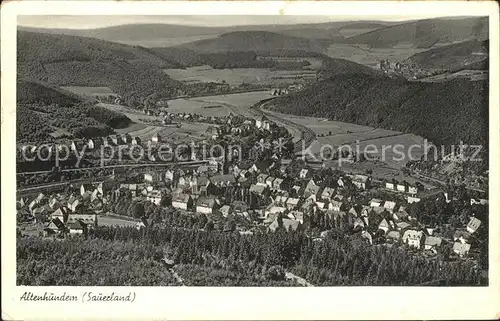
{"points": [[177, 276], [298, 279]]}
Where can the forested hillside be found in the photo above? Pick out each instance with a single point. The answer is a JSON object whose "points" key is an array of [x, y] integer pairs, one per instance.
{"points": [[444, 113], [35, 92], [471, 54], [314, 33], [227, 259], [77, 61], [256, 41], [43, 110], [181, 57], [425, 33]]}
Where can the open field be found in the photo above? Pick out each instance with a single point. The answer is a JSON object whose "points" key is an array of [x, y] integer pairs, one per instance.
{"points": [[347, 134], [197, 106], [240, 75], [467, 74], [323, 125], [134, 115], [105, 220], [89, 91], [364, 55], [165, 42], [223, 104], [187, 133], [142, 131]]}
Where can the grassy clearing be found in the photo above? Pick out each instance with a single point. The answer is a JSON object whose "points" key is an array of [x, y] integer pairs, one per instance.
{"points": [[240, 75], [105, 220], [89, 91], [187, 133], [370, 56]]}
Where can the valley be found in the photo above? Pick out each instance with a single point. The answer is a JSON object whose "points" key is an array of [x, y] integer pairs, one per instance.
{"points": [[296, 154]]}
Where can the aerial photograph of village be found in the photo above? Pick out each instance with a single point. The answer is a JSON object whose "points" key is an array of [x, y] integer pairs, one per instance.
{"points": [[254, 151]]}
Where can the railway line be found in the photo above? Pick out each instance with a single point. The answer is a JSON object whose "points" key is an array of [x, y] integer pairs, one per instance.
{"points": [[307, 134], [130, 166]]}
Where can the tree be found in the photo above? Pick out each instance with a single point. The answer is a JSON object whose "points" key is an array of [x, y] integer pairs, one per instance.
{"points": [[138, 210], [209, 226]]}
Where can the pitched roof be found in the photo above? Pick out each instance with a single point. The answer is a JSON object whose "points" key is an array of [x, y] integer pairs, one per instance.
{"points": [[223, 178], [389, 205], [206, 202], [474, 224], [258, 189], [402, 225], [360, 178], [181, 198], [384, 223], [393, 235], [461, 247], [433, 241], [412, 234]]}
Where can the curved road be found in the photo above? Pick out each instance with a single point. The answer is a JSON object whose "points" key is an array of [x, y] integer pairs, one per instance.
{"points": [[307, 134]]}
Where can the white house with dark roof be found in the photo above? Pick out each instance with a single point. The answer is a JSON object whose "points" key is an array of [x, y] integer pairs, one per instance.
{"points": [[432, 243], [327, 193], [375, 202], [292, 203], [389, 206], [154, 197], [384, 226], [182, 201], [413, 238], [393, 236], [205, 205], [361, 181], [473, 225], [462, 249], [287, 224], [303, 173]]}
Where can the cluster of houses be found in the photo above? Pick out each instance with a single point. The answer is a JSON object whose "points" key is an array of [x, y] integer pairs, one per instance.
{"points": [[266, 193], [73, 213]]}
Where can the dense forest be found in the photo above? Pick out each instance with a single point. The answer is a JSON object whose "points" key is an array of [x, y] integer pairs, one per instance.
{"points": [[256, 41], [77, 61], [247, 60], [29, 92], [42, 109], [445, 113], [31, 126], [227, 258]]}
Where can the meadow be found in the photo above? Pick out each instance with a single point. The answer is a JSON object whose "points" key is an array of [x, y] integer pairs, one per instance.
{"points": [[240, 75], [89, 91], [371, 57]]}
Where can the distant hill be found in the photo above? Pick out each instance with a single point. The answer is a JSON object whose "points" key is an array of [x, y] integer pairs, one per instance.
{"points": [[357, 28], [364, 25], [62, 60], [425, 33], [255, 41], [472, 54], [336, 66], [444, 113], [145, 34], [314, 33], [182, 56]]}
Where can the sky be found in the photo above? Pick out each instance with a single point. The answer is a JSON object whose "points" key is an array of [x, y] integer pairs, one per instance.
{"points": [[90, 22]]}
